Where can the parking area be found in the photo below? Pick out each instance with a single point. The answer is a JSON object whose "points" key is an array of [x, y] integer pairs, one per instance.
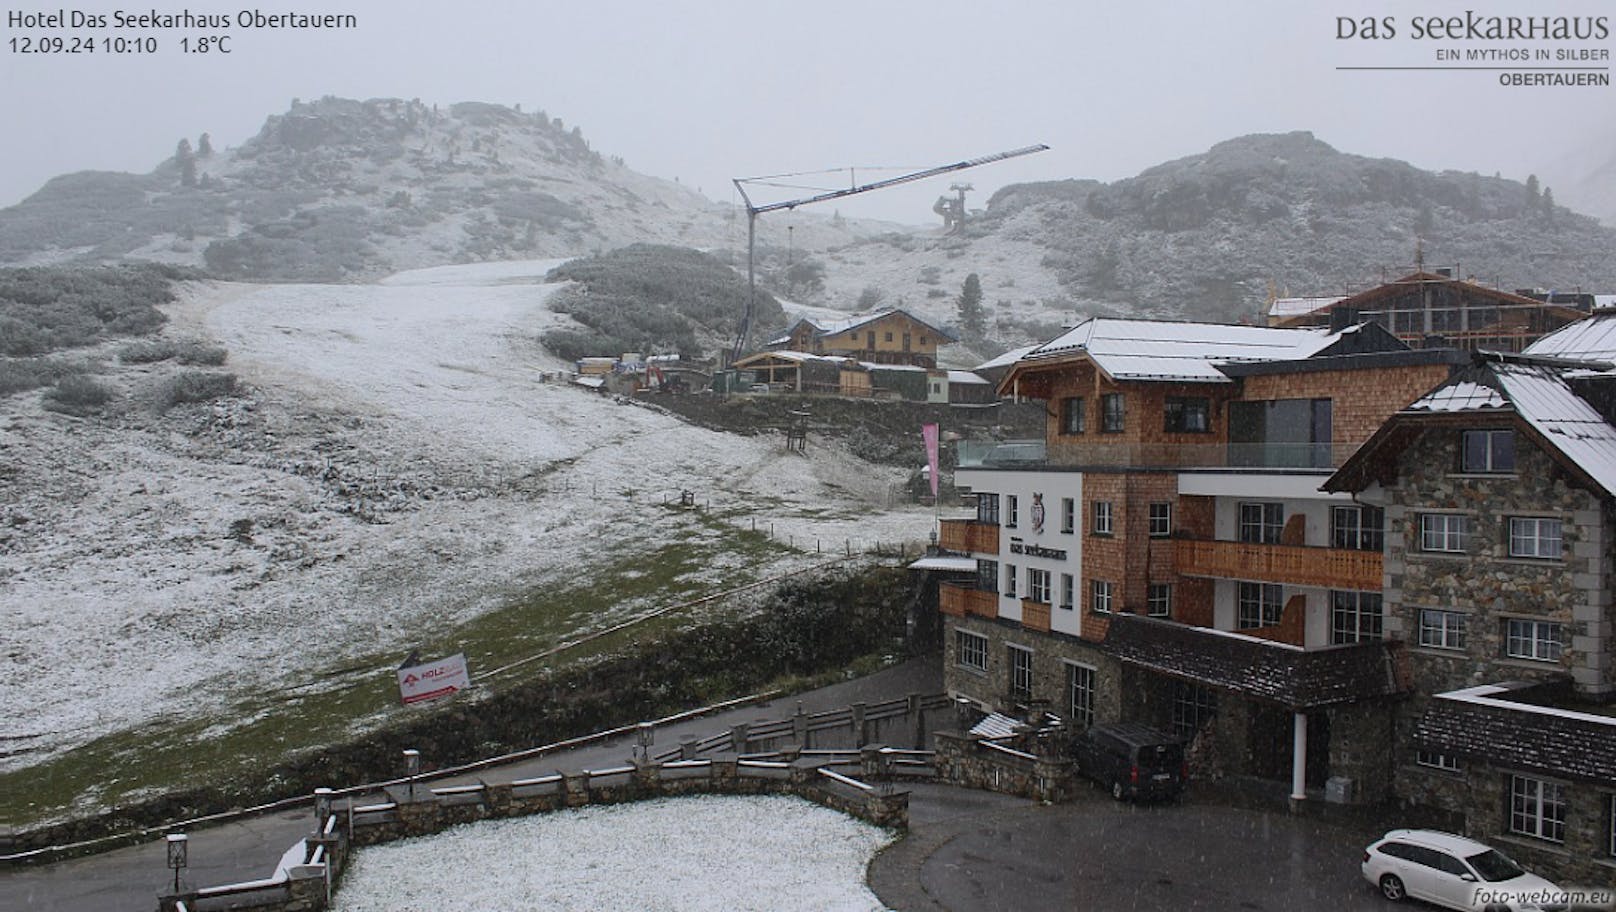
{"points": [[979, 852]]}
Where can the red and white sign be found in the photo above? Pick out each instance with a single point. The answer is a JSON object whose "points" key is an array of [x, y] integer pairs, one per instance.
{"points": [[433, 679]]}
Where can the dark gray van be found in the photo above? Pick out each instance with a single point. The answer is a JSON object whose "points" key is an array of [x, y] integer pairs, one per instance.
{"points": [[1133, 760]]}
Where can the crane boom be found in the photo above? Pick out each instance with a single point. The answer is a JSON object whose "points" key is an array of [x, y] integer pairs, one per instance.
{"points": [[752, 212]]}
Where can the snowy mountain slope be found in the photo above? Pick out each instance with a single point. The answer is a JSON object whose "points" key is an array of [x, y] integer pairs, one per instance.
{"points": [[398, 466]]}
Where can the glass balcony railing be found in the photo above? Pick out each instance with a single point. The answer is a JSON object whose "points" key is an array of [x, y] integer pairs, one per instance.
{"points": [[1084, 451]]}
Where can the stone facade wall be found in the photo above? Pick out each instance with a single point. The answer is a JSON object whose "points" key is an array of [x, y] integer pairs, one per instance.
{"points": [[1361, 738], [963, 761], [1487, 583], [1051, 652]]}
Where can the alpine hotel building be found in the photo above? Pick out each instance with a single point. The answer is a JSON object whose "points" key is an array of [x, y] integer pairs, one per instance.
{"points": [[1319, 556]]}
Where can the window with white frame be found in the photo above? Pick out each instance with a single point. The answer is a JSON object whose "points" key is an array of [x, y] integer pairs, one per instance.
{"points": [[1100, 596], [1066, 587], [1161, 519], [1355, 616], [1012, 510], [1358, 527], [1445, 532], [1068, 515], [1080, 694], [1020, 672], [1010, 571], [1038, 584], [1261, 523], [1102, 517], [1259, 605], [1438, 761], [1073, 416], [1442, 629], [970, 650], [1539, 641], [1537, 808], [987, 508], [1486, 452], [1159, 600], [1531, 536]]}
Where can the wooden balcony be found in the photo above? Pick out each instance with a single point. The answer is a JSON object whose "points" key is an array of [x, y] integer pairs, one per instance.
{"points": [[960, 601], [969, 536], [1328, 568], [1035, 615]]}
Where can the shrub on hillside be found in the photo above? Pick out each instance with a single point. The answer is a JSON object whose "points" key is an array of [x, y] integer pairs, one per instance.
{"points": [[194, 386], [77, 394], [654, 298], [44, 309], [164, 349], [19, 375]]}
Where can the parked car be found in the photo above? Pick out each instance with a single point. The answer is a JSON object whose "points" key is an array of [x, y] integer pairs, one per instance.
{"points": [[1133, 760], [1454, 872]]}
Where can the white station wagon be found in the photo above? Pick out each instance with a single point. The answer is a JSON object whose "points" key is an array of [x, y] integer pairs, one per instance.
{"points": [[1455, 872]]}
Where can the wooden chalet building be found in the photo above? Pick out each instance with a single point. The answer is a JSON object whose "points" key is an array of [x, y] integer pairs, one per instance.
{"points": [[885, 337]]}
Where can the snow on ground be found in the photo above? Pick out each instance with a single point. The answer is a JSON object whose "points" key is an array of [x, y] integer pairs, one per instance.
{"points": [[403, 460], [719, 852]]}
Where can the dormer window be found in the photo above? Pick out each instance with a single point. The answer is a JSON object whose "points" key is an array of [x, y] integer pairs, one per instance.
{"points": [[1487, 452]]}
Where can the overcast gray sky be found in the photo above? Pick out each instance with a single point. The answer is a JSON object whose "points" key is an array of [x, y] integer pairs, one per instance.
{"points": [[710, 90]]}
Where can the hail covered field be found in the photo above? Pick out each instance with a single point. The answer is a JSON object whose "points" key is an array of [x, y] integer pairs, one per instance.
{"points": [[401, 465]]}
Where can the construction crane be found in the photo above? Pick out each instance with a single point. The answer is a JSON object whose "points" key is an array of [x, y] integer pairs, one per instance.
{"points": [[753, 211]]}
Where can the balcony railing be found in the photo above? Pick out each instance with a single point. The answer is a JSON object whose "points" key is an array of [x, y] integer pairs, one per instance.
{"points": [[960, 601], [1330, 568], [1093, 449], [969, 536]]}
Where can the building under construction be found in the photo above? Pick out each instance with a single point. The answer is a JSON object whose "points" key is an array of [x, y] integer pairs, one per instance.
{"points": [[1437, 309]]}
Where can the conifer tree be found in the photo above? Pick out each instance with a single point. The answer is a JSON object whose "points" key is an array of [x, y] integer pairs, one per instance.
{"points": [[972, 320]]}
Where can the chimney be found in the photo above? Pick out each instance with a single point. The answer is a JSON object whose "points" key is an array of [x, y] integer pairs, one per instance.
{"points": [[1343, 317]]}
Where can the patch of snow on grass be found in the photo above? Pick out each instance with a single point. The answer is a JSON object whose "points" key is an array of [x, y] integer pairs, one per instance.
{"points": [[768, 853]]}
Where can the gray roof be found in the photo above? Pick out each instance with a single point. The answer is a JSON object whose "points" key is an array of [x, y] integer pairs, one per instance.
{"points": [[1542, 397], [1180, 351], [1294, 677], [1481, 724], [1593, 338]]}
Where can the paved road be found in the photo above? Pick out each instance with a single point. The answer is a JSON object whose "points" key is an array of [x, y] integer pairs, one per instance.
{"points": [[129, 879], [966, 851]]}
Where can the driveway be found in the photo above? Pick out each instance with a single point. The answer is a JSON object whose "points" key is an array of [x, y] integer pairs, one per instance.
{"points": [[972, 852]]}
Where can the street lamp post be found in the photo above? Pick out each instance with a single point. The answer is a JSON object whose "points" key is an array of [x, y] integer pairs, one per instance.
{"points": [[178, 849]]}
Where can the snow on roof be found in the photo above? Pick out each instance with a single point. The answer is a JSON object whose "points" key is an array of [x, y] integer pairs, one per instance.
{"points": [[1564, 419], [1462, 396], [1008, 358], [1166, 350], [1592, 338], [1540, 395], [1295, 307], [959, 376], [871, 365], [1602, 302], [787, 355], [962, 564]]}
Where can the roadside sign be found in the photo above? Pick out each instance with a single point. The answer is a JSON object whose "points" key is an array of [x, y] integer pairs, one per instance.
{"points": [[429, 681]]}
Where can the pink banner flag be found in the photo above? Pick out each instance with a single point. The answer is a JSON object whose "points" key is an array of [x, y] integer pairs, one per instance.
{"points": [[928, 432]]}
